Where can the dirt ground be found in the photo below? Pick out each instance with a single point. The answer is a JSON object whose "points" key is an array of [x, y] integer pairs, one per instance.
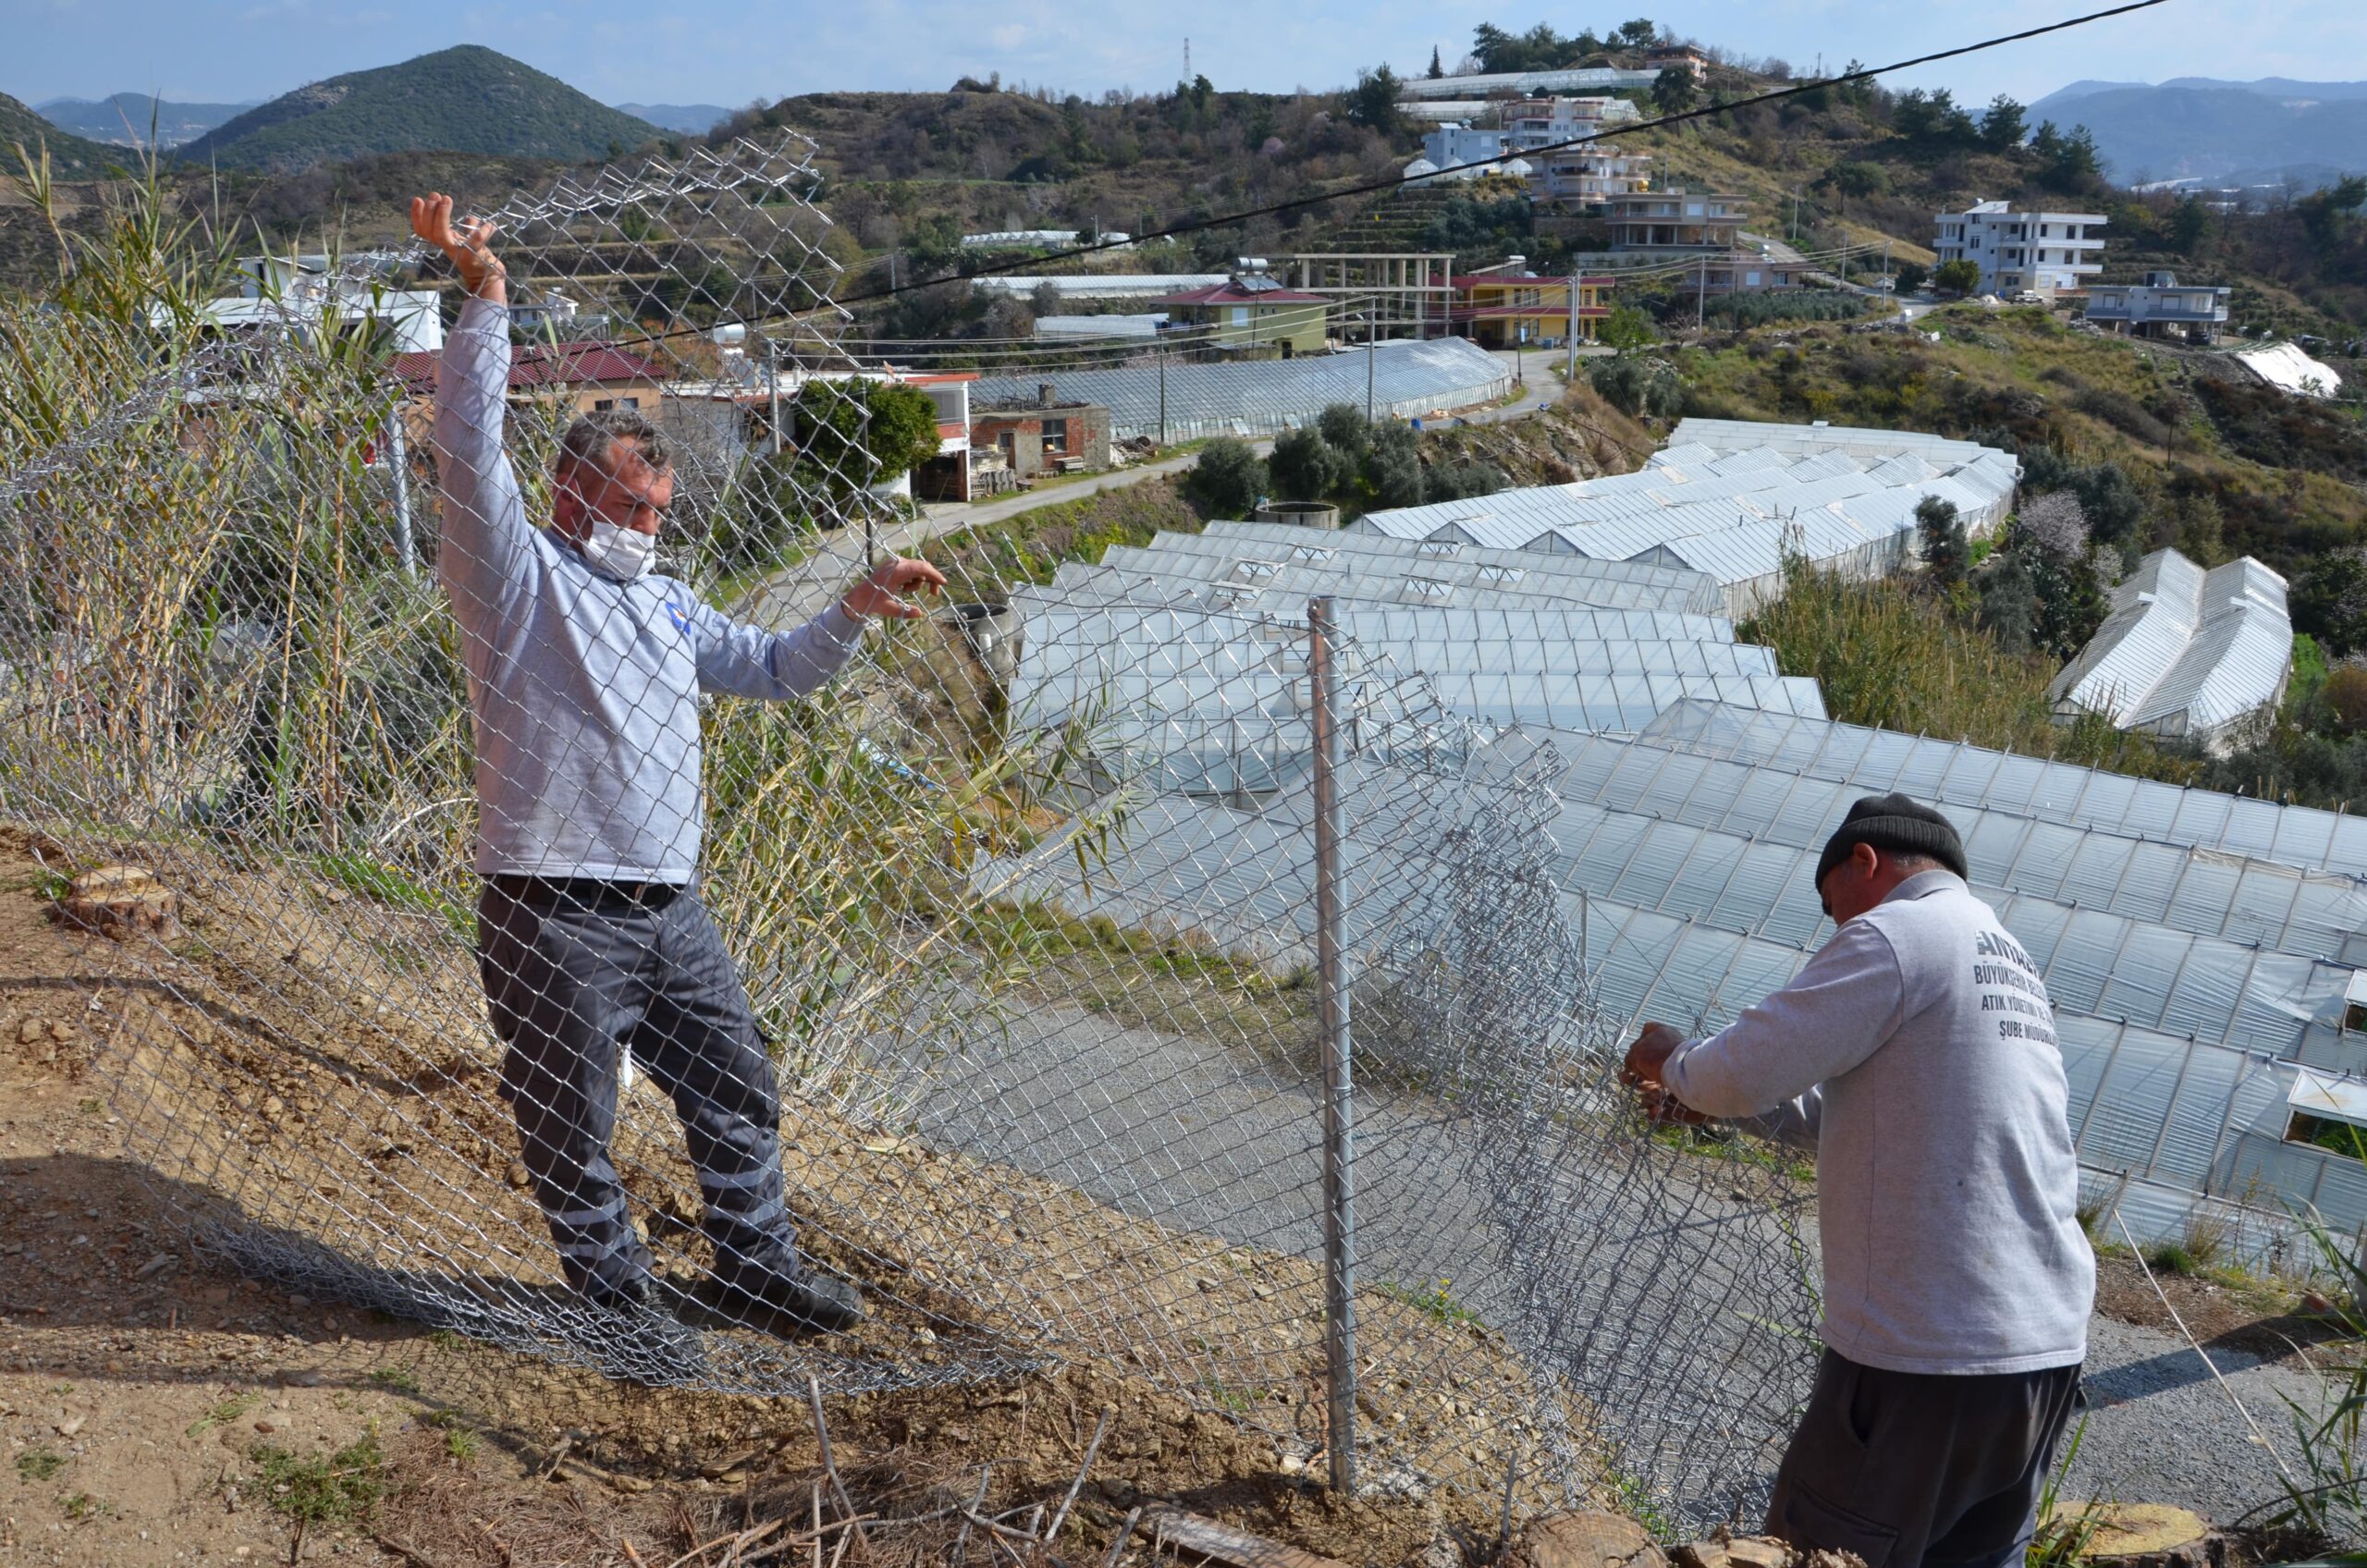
{"points": [[159, 1409], [2221, 1311]]}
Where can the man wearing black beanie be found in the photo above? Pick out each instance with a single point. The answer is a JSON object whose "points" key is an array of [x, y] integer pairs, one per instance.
{"points": [[1916, 1053]]}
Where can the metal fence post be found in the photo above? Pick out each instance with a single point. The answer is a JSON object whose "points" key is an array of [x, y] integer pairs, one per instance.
{"points": [[1332, 969]]}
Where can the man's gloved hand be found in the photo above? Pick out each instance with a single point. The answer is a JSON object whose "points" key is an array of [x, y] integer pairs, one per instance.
{"points": [[1647, 1058], [884, 592]]}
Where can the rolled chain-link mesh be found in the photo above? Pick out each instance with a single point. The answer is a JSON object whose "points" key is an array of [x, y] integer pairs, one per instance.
{"points": [[1022, 905]]}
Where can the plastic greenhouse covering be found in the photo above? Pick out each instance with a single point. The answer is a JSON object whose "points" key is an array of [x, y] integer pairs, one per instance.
{"points": [[1259, 397], [1700, 590], [2184, 651], [2318, 914], [1195, 557], [1954, 773]]}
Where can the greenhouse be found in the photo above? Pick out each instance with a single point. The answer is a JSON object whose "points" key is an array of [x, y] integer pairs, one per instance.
{"points": [[2205, 952], [1950, 774], [1190, 557], [1187, 400], [1732, 500], [1701, 590], [2185, 653], [1368, 558]]}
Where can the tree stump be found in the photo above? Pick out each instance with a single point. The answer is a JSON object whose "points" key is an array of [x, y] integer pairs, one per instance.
{"points": [[2149, 1535], [120, 901], [1587, 1540]]}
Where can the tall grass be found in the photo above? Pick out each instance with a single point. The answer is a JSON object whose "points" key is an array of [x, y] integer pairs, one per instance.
{"points": [[1889, 652]]}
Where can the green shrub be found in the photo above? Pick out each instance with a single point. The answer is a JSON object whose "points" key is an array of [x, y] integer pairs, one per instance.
{"points": [[1229, 480], [1304, 466], [1345, 430], [1940, 535], [1639, 386]]}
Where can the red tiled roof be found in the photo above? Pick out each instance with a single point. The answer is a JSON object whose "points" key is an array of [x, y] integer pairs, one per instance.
{"points": [[1227, 294], [538, 365]]}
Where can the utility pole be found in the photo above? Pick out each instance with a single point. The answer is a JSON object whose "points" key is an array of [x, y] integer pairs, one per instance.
{"points": [[772, 378], [399, 470], [1368, 368], [1160, 355], [871, 474], [1701, 294], [1570, 375], [1795, 214]]}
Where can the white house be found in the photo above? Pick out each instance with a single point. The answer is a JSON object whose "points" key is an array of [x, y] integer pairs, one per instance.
{"points": [[1484, 151], [2160, 307], [2042, 253]]}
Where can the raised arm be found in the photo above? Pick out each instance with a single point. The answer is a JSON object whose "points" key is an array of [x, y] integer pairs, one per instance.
{"points": [[486, 536]]}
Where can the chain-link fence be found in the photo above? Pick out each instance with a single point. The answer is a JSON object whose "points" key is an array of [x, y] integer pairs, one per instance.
{"points": [[1022, 899]]}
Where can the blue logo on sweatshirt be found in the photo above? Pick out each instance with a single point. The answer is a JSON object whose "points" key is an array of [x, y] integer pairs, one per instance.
{"points": [[680, 618]]}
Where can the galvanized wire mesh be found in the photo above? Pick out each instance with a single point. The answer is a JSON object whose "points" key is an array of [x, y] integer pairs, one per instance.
{"points": [[1029, 944]]}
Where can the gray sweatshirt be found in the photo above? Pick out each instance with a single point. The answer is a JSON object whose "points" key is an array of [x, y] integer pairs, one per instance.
{"points": [[1916, 1053], [584, 692]]}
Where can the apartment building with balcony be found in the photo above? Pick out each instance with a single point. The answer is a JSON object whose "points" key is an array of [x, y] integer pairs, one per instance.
{"points": [[2160, 307], [1675, 219], [1588, 175], [2041, 253]]}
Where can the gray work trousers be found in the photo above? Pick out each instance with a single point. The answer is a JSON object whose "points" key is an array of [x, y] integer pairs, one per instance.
{"points": [[576, 972], [1918, 1470]]}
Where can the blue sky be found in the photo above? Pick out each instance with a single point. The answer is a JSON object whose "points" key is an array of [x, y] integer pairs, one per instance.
{"points": [[702, 50]]}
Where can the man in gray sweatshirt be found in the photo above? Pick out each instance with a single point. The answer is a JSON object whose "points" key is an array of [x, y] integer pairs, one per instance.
{"points": [[1915, 1054], [585, 671]]}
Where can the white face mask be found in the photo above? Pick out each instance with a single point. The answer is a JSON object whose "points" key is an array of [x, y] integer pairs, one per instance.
{"points": [[622, 555]]}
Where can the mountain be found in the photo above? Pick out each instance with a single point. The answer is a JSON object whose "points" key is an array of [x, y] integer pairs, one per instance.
{"points": [[124, 119], [2200, 127], [467, 99], [70, 156], [691, 119]]}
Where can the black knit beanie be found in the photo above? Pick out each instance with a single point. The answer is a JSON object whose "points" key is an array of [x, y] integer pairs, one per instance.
{"points": [[1893, 822]]}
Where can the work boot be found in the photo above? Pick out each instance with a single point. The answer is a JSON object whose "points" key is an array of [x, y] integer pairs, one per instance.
{"points": [[784, 1306], [643, 1339]]}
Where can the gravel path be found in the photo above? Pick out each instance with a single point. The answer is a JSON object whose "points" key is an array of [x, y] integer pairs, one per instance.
{"points": [[2161, 1429]]}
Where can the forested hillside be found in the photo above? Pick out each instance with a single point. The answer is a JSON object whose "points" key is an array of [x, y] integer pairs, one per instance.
{"points": [[70, 156], [466, 98]]}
